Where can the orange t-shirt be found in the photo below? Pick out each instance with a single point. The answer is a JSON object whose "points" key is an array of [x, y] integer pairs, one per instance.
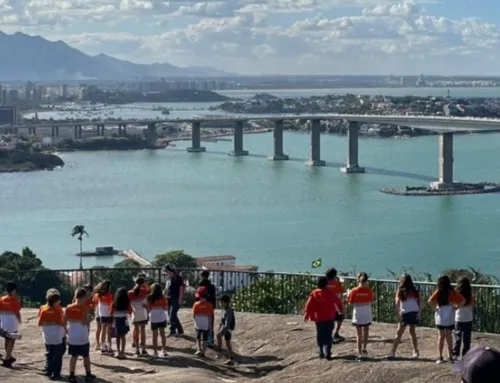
{"points": [[336, 286], [159, 304], [143, 293], [10, 304], [50, 315], [76, 312], [360, 295], [454, 297], [203, 308]]}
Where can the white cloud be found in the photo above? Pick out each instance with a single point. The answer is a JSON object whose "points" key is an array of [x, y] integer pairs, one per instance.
{"points": [[254, 35]]}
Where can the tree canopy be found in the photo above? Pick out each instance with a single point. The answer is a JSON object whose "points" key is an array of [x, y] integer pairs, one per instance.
{"points": [[177, 258]]}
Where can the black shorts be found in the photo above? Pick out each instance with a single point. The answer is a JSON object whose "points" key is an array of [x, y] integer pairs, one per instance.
{"points": [[142, 322], [107, 320], [227, 334], [98, 319], [202, 335], [409, 319], [81, 350], [439, 327], [339, 318], [159, 325], [361, 325], [121, 326]]}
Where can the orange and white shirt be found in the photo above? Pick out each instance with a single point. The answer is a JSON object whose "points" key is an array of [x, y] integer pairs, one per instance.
{"points": [[104, 304], [51, 320], [120, 313], [445, 315], [361, 299], [202, 312], [10, 307], [158, 310], [411, 304], [138, 303], [465, 313], [78, 329]]}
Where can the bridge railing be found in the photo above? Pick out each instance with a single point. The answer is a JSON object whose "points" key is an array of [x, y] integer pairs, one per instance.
{"points": [[257, 292]]}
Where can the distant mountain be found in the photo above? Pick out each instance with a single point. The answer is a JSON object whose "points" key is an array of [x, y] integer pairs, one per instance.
{"points": [[24, 57]]}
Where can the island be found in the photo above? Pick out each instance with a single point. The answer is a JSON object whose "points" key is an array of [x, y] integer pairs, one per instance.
{"points": [[106, 143], [17, 160], [118, 97]]}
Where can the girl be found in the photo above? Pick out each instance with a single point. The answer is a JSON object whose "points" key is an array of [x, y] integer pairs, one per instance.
{"points": [[157, 307], [443, 301], [361, 297], [408, 311], [104, 299], [463, 318], [121, 309], [138, 299]]}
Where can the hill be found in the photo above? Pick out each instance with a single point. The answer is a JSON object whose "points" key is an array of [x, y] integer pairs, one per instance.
{"points": [[26, 57], [270, 348]]}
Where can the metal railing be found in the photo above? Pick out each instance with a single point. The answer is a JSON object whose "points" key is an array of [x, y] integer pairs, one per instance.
{"points": [[256, 292]]}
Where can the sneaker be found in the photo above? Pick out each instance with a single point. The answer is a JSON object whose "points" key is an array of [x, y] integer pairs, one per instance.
{"points": [[98, 347], [144, 352], [155, 354], [229, 362], [359, 358], [329, 357], [451, 360], [391, 357], [415, 355], [440, 360], [322, 356], [164, 354], [172, 334], [72, 379], [90, 378], [365, 352], [338, 338], [137, 353], [56, 377]]}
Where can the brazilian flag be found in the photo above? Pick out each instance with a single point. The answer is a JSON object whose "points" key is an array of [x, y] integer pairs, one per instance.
{"points": [[316, 264]]}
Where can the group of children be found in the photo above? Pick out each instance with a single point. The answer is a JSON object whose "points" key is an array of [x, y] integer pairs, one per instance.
{"points": [[68, 329], [453, 314]]}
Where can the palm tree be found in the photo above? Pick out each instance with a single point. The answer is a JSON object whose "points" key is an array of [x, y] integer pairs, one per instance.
{"points": [[79, 231]]}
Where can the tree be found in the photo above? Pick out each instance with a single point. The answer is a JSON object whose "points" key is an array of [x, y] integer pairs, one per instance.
{"points": [[79, 232], [177, 258]]}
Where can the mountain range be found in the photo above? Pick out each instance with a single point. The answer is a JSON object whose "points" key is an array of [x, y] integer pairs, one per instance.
{"points": [[24, 57]]}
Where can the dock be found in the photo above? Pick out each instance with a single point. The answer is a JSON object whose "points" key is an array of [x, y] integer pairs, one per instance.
{"points": [[131, 254]]}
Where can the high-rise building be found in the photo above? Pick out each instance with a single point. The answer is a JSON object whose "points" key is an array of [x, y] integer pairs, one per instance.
{"points": [[28, 91], [1, 95], [64, 92]]}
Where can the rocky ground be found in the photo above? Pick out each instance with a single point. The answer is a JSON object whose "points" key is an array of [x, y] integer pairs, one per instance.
{"points": [[270, 348]]}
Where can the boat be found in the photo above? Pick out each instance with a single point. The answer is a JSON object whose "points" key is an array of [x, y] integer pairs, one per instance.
{"points": [[106, 251]]}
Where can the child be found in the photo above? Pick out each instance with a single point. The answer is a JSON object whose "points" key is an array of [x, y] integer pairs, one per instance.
{"points": [[146, 287], [202, 314], [322, 307], [157, 307], [138, 299], [463, 318], [76, 321], [336, 286], [443, 301], [120, 310], [408, 311], [211, 298], [95, 302], [226, 328], [104, 299], [51, 320], [361, 297], [10, 318]]}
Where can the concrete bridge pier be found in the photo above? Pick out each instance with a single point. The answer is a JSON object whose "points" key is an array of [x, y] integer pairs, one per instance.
{"points": [[196, 138], [238, 141], [100, 130], [278, 154], [32, 131], [445, 163], [55, 131], [315, 159], [122, 130], [151, 135], [352, 165]]}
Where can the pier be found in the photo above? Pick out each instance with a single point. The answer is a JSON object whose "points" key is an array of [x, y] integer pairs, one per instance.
{"points": [[131, 254]]}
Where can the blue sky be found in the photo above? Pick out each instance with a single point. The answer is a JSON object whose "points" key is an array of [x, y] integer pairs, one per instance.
{"points": [[276, 36]]}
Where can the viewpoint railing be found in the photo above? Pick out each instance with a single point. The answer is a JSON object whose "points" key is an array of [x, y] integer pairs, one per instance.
{"points": [[257, 292]]}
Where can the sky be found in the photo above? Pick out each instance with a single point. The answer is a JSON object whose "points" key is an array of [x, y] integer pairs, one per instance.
{"points": [[397, 37]]}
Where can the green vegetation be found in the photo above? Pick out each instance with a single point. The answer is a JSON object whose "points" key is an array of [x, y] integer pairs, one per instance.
{"points": [[179, 95], [177, 258], [104, 143], [25, 161], [79, 232]]}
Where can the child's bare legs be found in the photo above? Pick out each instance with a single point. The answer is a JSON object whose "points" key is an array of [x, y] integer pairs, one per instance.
{"points": [[366, 335], [440, 344], [359, 339], [86, 364], [155, 342], [219, 340], [72, 365], [414, 339], [9, 348], [230, 352], [135, 337], [142, 328], [449, 342], [109, 333], [98, 335], [397, 339], [163, 337]]}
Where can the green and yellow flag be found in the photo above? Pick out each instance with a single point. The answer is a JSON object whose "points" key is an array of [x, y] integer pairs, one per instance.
{"points": [[315, 264]]}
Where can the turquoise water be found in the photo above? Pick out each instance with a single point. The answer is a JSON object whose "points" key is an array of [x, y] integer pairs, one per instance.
{"points": [[278, 215]]}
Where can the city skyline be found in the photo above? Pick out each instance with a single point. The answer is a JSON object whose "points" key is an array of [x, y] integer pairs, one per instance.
{"points": [[258, 37]]}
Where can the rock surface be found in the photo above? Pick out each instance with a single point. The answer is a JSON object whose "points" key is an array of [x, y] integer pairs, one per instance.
{"points": [[271, 348]]}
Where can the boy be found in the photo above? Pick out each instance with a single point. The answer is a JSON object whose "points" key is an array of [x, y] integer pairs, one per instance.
{"points": [[203, 312], [76, 320], [51, 320], [211, 298], [227, 324], [336, 286], [10, 319], [322, 307]]}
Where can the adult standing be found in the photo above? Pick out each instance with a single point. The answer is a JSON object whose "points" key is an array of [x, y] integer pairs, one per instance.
{"points": [[174, 292], [211, 298]]}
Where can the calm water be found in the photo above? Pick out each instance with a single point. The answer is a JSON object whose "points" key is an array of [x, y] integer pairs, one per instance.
{"points": [[278, 216]]}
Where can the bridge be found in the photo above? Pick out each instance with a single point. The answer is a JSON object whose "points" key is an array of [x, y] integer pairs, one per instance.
{"points": [[445, 126]]}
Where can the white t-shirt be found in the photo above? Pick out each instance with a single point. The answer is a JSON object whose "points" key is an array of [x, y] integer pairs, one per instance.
{"points": [[78, 333], [9, 322], [52, 334]]}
